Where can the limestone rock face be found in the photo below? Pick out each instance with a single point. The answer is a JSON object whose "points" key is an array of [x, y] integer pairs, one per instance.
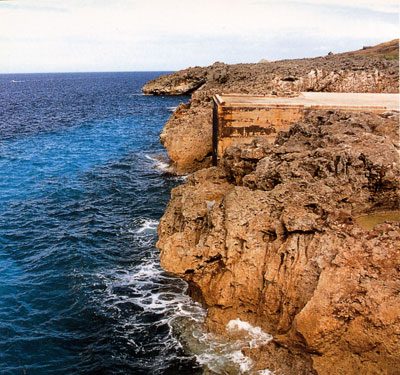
{"points": [[271, 237], [187, 135], [187, 139]]}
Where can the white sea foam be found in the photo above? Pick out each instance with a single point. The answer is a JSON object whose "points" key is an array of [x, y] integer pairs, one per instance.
{"points": [[159, 163], [145, 281], [162, 301], [223, 356], [16, 81], [181, 178], [220, 356], [162, 164], [245, 363], [147, 225], [255, 335], [171, 109]]}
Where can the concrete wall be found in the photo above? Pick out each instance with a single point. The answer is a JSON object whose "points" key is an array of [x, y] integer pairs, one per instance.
{"points": [[244, 124], [232, 124], [239, 119]]}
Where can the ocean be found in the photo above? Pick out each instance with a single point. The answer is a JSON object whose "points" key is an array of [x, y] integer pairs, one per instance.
{"points": [[82, 187]]}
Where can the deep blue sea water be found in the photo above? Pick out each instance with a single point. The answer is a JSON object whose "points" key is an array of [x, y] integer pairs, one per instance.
{"points": [[81, 290]]}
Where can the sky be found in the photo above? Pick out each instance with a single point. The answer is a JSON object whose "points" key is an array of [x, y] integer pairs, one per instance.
{"points": [[164, 35]]}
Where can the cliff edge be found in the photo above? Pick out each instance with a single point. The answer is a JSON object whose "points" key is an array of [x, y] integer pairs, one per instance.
{"points": [[187, 135], [300, 237], [273, 237]]}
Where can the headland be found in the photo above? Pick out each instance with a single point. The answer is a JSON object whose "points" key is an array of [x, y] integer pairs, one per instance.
{"points": [[299, 236]]}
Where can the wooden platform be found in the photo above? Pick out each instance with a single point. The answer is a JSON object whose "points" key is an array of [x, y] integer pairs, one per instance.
{"points": [[241, 118]]}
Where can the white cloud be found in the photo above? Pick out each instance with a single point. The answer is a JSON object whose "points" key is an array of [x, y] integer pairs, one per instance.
{"points": [[389, 6], [120, 34]]}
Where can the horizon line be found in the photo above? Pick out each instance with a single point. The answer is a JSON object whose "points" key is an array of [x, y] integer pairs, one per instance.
{"points": [[95, 71]]}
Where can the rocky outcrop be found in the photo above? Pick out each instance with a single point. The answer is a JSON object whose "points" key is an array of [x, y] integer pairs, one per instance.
{"points": [[179, 83], [334, 73], [271, 237], [187, 135]]}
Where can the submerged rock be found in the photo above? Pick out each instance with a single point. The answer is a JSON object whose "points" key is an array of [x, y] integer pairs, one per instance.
{"points": [[270, 237]]}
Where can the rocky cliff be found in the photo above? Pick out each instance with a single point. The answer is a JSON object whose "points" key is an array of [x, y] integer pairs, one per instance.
{"points": [[272, 237], [301, 237], [187, 135]]}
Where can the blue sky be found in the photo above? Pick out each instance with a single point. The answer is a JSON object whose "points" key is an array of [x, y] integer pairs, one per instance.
{"points": [[131, 35]]}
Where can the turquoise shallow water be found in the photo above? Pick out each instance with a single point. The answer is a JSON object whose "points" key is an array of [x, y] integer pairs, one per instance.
{"points": [[81, 290]]}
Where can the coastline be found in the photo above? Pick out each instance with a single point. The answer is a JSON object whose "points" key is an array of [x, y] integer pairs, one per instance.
{"points": [[270, 237]]}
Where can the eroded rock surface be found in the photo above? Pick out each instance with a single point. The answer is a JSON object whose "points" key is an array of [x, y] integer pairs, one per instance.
{"points": [[178, 83], [270, 237], [187, 135]]}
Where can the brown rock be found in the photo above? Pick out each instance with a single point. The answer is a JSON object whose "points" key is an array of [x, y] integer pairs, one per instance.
{"points": [[270, 237], [187, 135], [180, 83], [187, 140]]}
